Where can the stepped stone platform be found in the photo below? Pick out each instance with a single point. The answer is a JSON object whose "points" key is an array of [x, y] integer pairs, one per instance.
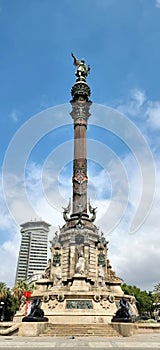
{"points": [[44, 329], [104, 330]]}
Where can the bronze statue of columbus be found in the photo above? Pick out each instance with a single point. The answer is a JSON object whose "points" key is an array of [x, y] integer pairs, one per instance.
{"points": [[82, 70]]}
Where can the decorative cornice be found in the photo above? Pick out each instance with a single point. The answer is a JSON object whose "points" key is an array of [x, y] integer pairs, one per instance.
{"points": [[80, 92]]}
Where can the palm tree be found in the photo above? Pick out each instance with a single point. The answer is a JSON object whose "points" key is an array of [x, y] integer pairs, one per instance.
{"points": [[4, 291], [19, 288], [4, 295], [156, 293], [157, 288]]}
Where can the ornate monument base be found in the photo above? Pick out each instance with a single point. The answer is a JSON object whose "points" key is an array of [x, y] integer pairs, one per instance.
{"points": [[79, 285]]}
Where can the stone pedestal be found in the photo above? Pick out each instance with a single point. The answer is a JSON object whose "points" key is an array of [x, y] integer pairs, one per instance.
{"points": [[79, 284], [31, 329]]}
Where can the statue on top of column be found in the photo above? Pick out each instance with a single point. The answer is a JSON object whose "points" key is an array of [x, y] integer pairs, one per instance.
{"points": [[82, 70]]}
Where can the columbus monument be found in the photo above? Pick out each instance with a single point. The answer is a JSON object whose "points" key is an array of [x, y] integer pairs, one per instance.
{"points": [[79, 284]]}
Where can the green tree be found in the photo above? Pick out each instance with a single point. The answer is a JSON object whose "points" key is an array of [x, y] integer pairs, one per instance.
{"points": [[18, 291], [144, 299], [20, 287], [3, 291], [156, 293], [9, 302], [12, 298], [11, 306]]}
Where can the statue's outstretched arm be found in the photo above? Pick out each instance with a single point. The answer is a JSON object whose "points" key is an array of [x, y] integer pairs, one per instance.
{"points": [[76, 61], [73, 55]]}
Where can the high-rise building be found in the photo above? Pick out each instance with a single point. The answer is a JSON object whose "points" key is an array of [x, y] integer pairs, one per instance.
{"points": [[33, 249]]}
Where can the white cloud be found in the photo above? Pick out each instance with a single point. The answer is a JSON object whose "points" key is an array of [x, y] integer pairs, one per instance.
{"points": [[15, 115], [22, 211], [8, 259], [136, 257], [139, 97], [99, 186], [135, 103], [158, 3], [10, 239], [153, 114], [142, 109]]}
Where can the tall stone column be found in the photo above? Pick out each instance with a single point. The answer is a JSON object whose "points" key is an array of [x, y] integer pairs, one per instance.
{"points": [[80, 114]]}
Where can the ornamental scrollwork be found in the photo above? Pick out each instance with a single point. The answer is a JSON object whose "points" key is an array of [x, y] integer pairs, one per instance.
{"points": [[111, 298], [97, 298], [60, 298], [46, 298]]}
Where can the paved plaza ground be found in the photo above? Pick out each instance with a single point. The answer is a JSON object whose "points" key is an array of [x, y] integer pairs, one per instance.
{"points": [[140, 341]]}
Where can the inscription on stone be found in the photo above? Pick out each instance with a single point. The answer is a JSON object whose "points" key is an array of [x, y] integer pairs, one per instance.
{"points": [[79, 304]]}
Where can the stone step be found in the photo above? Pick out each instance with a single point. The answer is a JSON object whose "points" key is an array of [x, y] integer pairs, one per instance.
{"points": [[80, 330], [77, 327], [80, 334]]}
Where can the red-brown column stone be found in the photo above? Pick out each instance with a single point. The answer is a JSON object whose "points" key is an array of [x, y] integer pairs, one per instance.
{"points": [[80, 168], [80, 114]]}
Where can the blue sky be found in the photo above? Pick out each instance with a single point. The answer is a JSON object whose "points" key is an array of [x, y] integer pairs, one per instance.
{"points": [[120, 39]]}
